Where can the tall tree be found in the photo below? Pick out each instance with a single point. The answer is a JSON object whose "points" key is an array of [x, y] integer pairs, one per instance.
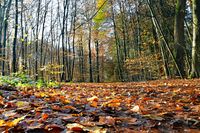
{"points": [[5, 28], [98, 21], [179, 36], [195, 72], [14, 63], [64, 34], [37, 39], [90, 51], [22, 37]]}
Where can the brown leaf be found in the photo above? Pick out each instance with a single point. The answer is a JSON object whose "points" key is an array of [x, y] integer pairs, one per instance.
{"points": [[53, 128], [107, 120], [75, 127]]}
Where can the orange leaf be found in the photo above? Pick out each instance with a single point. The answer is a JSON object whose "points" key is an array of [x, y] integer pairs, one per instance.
{"points": [[178, 108], [45, 116], [70, 107], [146, 99], [94, 104]]}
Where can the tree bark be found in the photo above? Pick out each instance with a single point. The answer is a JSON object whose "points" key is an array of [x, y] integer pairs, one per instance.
{"points": [[97, 61], [14, 65], [5, 37], [195, 72], [90, 53], [37, 40], [179, 36]]}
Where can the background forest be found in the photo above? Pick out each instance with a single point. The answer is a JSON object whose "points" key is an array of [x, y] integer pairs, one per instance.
{"points": [[100, 40]]}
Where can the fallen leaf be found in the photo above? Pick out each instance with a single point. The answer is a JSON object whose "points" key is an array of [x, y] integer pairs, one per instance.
{"points": [[2, 123], [94, 98], [53, 128], [45, 116], [22, 104], [154, 117], [136, 109], [75, 127], [15, 121], [9, 113], [107, 120]]}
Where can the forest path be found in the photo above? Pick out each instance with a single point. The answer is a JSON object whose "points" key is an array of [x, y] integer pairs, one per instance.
{"points": [[155, 106]]}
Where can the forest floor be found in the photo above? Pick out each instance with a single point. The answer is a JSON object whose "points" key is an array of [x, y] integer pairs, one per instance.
{"points": [[153, 106]]}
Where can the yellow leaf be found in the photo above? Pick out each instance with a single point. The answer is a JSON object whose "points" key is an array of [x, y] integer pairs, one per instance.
{"points": [[15, 121], [94, 98], [22, 104], [2, 123]]}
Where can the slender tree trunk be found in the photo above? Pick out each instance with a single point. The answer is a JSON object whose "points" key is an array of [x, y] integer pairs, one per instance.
{"points": [[22, 37], [138, 29], [73, 41], [160, 31], [65, 16], [42, 39], [124, 32], [2, 14], [81, 60], [97, 61], [196, 39], [119, 68], [26, 44], [37, 40], [90, 53], [14, 65], [5, 37], [70, 52], [179, 36]]}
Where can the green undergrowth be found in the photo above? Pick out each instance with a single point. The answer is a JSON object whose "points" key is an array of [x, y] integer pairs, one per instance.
{"points": [[20, 80]]}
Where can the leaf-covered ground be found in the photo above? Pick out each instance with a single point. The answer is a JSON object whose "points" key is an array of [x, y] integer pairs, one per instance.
{"points": [[155, 106]]}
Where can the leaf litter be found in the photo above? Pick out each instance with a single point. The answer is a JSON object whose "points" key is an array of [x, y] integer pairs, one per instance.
{"points": [[153, 106]]}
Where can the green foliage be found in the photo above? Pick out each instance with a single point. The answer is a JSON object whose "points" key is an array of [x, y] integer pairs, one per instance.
{"points": [[40, 83], [53, 84], [101, 15], [17, 80], [21, 80]]}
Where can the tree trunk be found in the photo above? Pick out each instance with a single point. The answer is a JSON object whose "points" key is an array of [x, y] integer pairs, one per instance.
{"points": [[42, 39], [5, 37], [179, 36], [14, 65], [22, 37], [97, 61], [196, 39], [73, 40], [37, 40], [119, 67], [90, 53]]}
